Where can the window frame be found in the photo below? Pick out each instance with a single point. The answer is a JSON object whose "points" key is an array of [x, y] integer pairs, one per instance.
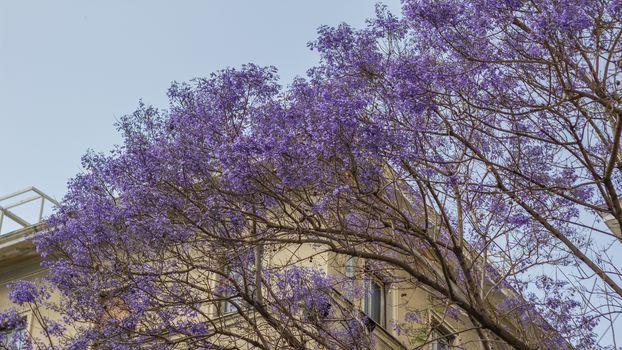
{"points": [[439, 332], [12, 332], [349, 272], [229, 304], [233, 303], [371, 279]]}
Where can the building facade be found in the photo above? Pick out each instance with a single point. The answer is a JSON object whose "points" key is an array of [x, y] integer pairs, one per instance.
{"points": [[399, 313]]}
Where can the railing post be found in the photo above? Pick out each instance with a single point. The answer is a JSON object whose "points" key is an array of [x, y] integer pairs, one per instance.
{"points": [[41, 209]]}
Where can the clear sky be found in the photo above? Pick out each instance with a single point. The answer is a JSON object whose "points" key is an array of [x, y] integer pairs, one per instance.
{"points": [[69, 69]]}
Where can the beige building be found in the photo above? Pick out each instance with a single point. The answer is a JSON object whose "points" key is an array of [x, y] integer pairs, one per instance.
{"points": [[386, 304], [401, 314]]}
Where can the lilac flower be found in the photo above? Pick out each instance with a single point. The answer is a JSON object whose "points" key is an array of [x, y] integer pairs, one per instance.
{"points": [[22, 292]]}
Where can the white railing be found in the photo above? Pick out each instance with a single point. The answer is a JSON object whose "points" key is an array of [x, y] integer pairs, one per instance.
{"points": [[15, 203]]}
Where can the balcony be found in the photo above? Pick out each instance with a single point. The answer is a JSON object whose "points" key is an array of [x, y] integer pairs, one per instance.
{"points": [[23, 209], [21, 215]]}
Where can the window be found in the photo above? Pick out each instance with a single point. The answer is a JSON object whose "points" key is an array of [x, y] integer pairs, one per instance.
{"points": [[441, 340], [229, 306], [241, 280], [374, 303], [349, 269], [13, 338], [350, 277]]}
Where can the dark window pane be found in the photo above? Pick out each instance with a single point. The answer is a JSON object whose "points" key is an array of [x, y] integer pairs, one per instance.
{"points": [[441, 341], [12, 339]]}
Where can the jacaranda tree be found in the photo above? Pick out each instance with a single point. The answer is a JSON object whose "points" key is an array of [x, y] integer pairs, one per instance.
{"points": [[469, 145]]}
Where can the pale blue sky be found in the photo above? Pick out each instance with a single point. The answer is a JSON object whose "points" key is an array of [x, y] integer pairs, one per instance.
{"points": [[68, 69]]}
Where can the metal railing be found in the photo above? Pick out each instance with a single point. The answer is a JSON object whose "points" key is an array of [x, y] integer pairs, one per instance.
{"points": [[18, 200]]}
